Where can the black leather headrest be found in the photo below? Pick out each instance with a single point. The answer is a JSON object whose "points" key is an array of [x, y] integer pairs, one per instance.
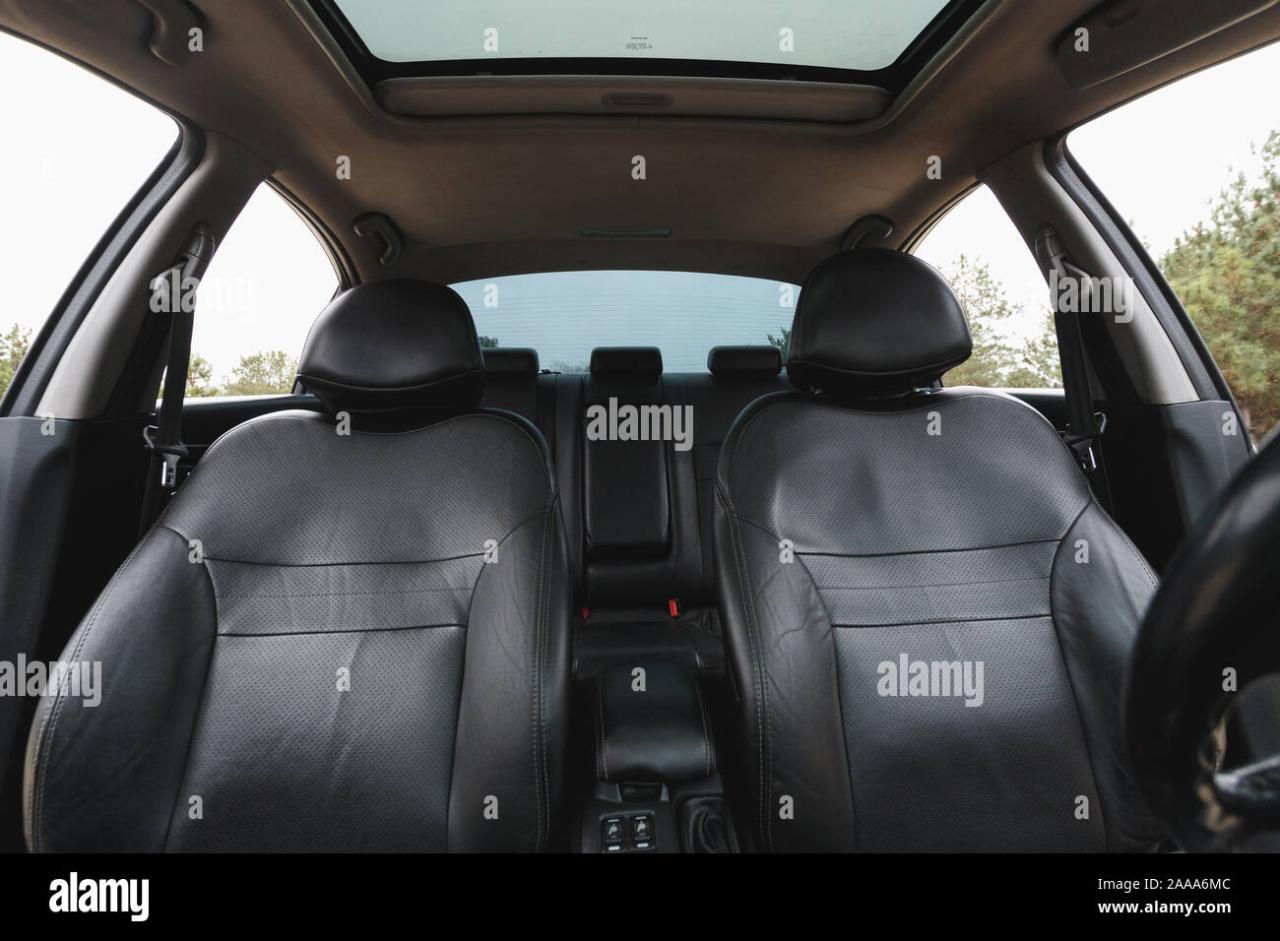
{"points": [[517, 362], [875, 322], [618, 362], [744, 361], [394, 345]]}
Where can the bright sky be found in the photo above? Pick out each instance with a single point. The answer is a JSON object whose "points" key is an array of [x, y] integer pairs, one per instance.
{"points": [[1160, 160], [268, 280], [863, 34], [266, 284], [59, 196]]}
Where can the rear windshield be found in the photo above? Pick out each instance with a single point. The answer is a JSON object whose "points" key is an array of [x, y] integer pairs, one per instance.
{"points": [[564, 315]]}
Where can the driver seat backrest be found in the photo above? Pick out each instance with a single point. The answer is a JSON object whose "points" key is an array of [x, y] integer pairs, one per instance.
{"points": [[928, 614], [332, 641]]}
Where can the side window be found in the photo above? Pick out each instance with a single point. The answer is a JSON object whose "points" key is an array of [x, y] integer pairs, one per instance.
{"points": [[75, 149], [1194, 168], [265, 286], [976, 246]]}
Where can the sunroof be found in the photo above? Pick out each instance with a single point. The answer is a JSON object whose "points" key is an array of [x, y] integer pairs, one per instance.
{"points": [[624, 36]]}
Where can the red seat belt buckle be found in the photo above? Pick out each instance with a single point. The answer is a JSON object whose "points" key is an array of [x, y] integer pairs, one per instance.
{"points": [[673, 607], [586, 612]]}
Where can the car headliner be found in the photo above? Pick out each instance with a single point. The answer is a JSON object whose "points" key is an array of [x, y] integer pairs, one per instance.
{"points": [[751, 180]]}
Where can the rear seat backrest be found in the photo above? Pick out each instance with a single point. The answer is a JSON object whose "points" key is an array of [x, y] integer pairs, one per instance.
{"points": [[637, 514], [512, 382]]}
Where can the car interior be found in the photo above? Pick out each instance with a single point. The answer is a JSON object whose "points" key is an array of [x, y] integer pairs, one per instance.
{"points": [[447, 592]]}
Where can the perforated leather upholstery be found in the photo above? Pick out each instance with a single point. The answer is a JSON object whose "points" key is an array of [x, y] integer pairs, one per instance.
{"points": [[328, 641], [868, 526]]}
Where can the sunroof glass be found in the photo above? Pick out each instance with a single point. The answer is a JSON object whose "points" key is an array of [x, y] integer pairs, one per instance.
{"points": [[860, 35]]}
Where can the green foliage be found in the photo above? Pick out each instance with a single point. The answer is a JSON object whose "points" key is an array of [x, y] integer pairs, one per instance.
{"points": [[13, 347], [1037, 364], [200, 382], [270, 372], [782, 342], [488, 343], [1226, 271], [1000, 358]]}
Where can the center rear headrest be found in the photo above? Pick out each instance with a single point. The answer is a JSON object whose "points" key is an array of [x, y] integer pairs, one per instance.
{"points": [[620, 362], [394, 345], [734, 361], [875, 322], [512, 362]]}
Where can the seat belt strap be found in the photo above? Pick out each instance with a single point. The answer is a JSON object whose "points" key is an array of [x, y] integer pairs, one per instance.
{"points": [[174, 296], [546, 408], [1085, 423]]}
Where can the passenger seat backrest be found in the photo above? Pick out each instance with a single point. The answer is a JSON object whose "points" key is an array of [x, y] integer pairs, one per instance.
{"points": [[925, 661], [738, 376]]}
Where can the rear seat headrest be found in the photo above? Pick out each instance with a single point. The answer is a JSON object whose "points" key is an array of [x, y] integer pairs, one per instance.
{"points": [[744, 361], [516, 362], [639, 362], [394, 345], [875, 322]]}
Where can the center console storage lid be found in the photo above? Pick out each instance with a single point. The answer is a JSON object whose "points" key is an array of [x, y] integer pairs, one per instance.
{"points": [[651, 726]]}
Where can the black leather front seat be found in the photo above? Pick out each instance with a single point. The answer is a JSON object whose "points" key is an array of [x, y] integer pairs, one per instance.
{"points": [[928, 613], [332, 641]]}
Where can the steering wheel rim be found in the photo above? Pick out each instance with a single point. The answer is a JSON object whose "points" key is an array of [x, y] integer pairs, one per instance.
{"points": [[1217, 610]]}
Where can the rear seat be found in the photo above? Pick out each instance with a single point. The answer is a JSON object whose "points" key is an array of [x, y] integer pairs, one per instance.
{"points": [[512, 383], [637, 513]]}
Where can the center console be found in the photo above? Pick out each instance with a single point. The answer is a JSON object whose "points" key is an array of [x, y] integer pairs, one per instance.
{"points": [[657, 788]]}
